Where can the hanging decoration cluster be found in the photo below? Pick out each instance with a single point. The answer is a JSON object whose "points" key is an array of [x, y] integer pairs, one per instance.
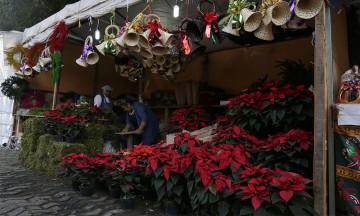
{"points": [[10, 56], [58, 37]]}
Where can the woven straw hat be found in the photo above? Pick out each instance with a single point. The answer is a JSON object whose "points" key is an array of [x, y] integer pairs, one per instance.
{"points": [[229, 28], [135, 48], [279, 12], [167, 63], [132, 78], [154, 70], [124, 74], [131, 38], [166, 38], [160, 60], [252, 20], [170, 74], [159, 49], [264, 32], [148, 62], [144, 39], [308, 9], [176, 68], [145, 53], [174, 59], [121, 40]]}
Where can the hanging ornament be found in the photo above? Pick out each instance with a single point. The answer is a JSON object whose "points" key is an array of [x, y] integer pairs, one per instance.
{"points": [[212, 29], [58, 37]]}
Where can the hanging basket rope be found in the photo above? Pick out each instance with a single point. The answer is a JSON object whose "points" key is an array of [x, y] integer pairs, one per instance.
{"points": [[10, 54]]}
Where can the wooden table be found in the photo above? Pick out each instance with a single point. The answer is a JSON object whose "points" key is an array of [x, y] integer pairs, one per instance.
{"points": [[129, 143]]}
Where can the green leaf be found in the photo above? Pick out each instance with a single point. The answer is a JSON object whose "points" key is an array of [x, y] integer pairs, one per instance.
{"points": [[188, 171], [205, 199], [273, 116], [297, 108], [184, 147], [158, 183], [252, 121], [128, 178], [213, 198], [280, 114], [223, 208], [177, 199], [275, 198], [174, 178], [297, 210], [212, 189], [179, 189], [261, 211], [246, 210], [125, 188], [160, 192], [201, 194], [169, 185], [190, 185], [257, 126], [158, 172], [227, 193]]}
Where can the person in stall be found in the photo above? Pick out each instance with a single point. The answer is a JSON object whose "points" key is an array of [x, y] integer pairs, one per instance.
{"points": [[102, 100], [140, 119]]}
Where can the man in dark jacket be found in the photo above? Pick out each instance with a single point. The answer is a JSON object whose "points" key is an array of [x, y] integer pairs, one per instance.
{"points": [[140, 119]]}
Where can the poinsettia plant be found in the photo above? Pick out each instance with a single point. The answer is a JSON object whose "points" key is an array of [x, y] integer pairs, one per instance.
{"points": [[272, 107], [189, 119], [81, 168]]}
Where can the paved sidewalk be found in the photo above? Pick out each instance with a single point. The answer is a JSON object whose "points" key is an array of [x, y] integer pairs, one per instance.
{"points": [[26, 192]]}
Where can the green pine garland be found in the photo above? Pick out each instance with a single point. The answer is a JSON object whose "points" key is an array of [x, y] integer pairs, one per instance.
{"points": [[56, 66], [14, 87]]}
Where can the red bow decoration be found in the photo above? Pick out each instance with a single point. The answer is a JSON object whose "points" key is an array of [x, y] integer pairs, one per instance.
{"points": [[211, 17], [154, 27]]}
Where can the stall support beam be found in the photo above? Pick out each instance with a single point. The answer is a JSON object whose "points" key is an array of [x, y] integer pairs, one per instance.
{"points": [[323, 99], [55, 94]]}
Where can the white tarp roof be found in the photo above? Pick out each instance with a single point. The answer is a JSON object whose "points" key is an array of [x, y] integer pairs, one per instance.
{"points": [[71, 14]]}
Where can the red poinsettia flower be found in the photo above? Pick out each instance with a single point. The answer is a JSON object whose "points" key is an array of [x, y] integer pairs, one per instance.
{"points": [[204, 169], [222, 182], [252, 171], [257, 194]]}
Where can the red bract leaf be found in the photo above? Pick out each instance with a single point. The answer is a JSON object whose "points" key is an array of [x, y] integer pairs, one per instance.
{"points": [[237, 130], [304, 145], [256, 202], [286, 194]]}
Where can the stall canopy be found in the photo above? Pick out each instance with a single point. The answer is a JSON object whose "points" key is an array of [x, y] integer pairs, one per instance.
{"points": [[81, 11]]}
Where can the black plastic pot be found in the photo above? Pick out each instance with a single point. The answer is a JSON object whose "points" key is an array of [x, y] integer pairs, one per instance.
{"points": [[58, 138], [171, 209], [75, 185], [100, 185], [127, 203], [149, 195], [86, 191], [115, 192]]}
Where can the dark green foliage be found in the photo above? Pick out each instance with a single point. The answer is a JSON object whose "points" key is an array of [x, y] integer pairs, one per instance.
{"points": [[20, 14], [37, 111], [296, 73], [14, 87]]}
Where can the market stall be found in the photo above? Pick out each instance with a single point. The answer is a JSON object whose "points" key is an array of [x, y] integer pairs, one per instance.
{"points": [[142, 51]]}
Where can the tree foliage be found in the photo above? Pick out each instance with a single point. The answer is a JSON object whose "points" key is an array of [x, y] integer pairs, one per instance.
{"points": [[20, 14]]}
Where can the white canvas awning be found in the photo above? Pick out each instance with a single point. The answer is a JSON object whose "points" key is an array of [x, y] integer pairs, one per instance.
{"points": [[71, 14]]}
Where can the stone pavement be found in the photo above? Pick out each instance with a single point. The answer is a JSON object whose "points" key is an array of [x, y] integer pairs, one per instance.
{"points": [[26, 192]]}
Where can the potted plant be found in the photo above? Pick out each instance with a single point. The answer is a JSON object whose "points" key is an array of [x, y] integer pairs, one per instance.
{"points": [[127, 199], [72, 126], [189, 119], [85, 173], [69, 169]]}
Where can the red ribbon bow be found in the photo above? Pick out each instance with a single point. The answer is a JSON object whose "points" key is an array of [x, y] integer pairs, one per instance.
{"points": [[211, 17]]}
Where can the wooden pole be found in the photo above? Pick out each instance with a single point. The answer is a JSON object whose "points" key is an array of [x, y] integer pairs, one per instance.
{"points": [[55, 94], [322, 80]]}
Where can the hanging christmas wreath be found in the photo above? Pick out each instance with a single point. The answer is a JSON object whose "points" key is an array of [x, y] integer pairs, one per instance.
{"points": [[10, 54], [56, 66], [34, 53], [14, 87], [58, 37]]}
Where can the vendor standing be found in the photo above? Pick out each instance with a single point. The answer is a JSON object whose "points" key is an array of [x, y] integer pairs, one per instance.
{"points": [[102, 100], [140, 119]]}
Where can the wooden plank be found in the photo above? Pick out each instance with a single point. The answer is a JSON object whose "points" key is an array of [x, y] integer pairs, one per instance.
{"points": [[330, 100], [55, 94], [320, 132]]}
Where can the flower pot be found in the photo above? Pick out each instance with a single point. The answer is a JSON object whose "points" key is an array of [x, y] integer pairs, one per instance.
{"points": [[127, 203], [171, 208], [86, 191], [75, 185], [70, 139], [149, 195], [100, 185], [115, 192], [58, 138]]}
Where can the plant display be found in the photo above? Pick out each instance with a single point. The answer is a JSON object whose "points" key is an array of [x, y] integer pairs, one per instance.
{"points": [[69, 119], [272, 107], [80, 168], [296, 73], [14, 87], [189, 119]]}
